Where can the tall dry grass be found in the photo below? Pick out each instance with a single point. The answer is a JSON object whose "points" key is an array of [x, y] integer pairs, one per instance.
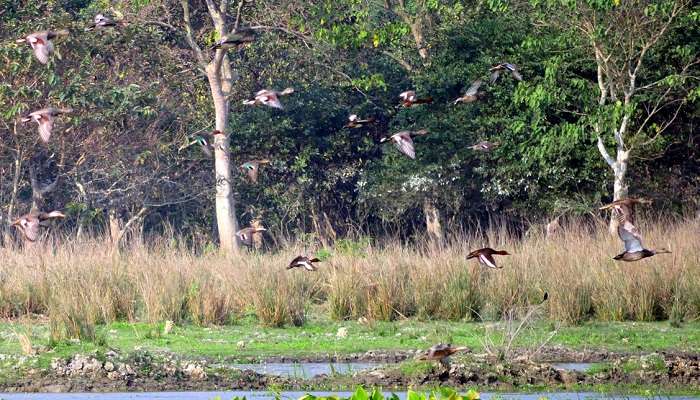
{"points": [[80, 285]]}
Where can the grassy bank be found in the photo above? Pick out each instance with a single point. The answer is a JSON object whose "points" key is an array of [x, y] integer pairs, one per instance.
{"points": [[81, 286], [321, 337]]}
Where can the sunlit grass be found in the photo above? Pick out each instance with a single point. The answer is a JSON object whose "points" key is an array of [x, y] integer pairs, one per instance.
{"points": [[80, 286]]}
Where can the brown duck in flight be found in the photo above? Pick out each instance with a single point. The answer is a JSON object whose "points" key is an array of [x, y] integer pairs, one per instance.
{"points": [[303, 262], [355, 122], [484, 146], [45, 118], [409, 99], [496, 71], [205, 144], [238, 39], [628, 232], [101, 22], [471, 95], [42, 43], [29, 224], [485, 256], [245, 235], [269, 98], [441, 353], [252, 169], [404, 141]]}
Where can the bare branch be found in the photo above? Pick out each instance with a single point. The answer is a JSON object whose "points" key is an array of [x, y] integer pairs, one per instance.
{"points": [[237, 24], [188, 34], [408, 67], [297, 35], [604, 152]]}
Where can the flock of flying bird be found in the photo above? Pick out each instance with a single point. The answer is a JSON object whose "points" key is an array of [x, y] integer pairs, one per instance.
{"points": [[30, 224], [42, 44]]}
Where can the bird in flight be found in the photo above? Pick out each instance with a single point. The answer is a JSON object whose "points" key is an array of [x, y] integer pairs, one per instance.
{"points": [[485, 256], [45, 118], [404, 141], [303, 262], [623, 210], [409, 99], [471, 95], [29, 224], [496, 71], [42, 43], [269, 98]]}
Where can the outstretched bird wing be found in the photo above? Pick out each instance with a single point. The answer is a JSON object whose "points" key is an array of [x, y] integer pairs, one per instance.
{"points": [[42, 50], [630, 235], [473, 89], [30, 229], [45, 127], [404, 143], [487, 260]]}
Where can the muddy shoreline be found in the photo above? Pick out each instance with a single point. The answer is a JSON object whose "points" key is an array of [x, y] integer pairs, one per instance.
{"points": [[144, 371]]}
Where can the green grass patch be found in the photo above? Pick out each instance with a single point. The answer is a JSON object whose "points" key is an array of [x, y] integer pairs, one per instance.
{"points": [[319, 337]]}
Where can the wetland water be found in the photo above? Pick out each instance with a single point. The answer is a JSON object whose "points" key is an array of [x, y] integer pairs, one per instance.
{"points": [[263, 395], [308, 369]]}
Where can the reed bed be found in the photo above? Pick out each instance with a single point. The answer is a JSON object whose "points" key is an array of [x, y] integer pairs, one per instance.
{"points": [[80, 285]]}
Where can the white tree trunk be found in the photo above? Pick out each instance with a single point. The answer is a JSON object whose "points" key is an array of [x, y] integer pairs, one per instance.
{"points": [[225, 209]]}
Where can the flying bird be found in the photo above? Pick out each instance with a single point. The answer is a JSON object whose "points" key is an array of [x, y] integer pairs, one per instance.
{"points": [[303, 262], [629, 234], [441, 353], [355, 122], [207, 145], [485, 256], [101, 22], [269, 98], [409, 99], [29, 224], [496, 71], [404, 141], [44, 118], [238, 39], [484, 146], [245, 235], [42, 43], [471, 95], [251, 168]]}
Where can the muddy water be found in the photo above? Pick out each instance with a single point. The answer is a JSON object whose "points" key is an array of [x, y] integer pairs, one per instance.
{"points": [[262, 395], [307, 370]]}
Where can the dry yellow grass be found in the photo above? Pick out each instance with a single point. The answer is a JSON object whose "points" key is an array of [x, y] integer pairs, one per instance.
{"points": [[81, 284]]}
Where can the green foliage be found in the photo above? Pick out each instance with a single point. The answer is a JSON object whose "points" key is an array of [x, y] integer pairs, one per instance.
{"points": [[139, 96]]}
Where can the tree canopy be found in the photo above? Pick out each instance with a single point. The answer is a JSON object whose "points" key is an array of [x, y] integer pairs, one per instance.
{"points": [[140, 99]]}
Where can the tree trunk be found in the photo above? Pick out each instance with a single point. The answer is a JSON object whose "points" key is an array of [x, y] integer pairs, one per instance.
{"points": [[620, 186], [225, 208], [257, 237], [432, 220], [115, 228], [417, 32]]}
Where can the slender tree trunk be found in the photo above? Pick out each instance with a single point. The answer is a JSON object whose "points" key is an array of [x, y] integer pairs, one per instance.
{"points": [[115, 228], [432, 220], [417, 32], [225, 208]]}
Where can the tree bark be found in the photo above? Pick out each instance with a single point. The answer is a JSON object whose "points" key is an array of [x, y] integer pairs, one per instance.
{"points": [[225, 208], [219, 74], [432, 220]]}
